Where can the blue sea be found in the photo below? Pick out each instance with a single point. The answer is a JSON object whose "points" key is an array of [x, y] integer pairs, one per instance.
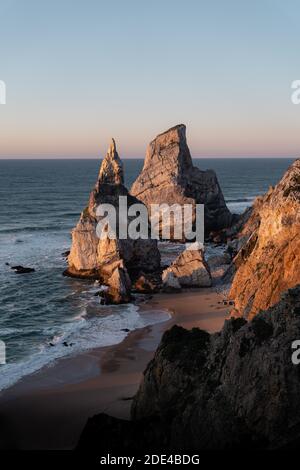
{"points": [[41, 201]]}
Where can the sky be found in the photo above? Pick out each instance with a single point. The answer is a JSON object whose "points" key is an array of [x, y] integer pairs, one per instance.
{"points": [[78, 72]]}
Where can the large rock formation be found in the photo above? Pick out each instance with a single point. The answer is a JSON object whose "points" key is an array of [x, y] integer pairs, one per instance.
{"points": [[268, 262], [235, 389], [168, 176], [190, 269], [97, 258]]}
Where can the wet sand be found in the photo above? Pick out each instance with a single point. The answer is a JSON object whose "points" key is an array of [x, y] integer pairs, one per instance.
{"points": [[48, 409]]}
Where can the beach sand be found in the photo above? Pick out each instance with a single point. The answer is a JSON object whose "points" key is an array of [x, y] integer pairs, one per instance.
{"points": [[48, 409]]}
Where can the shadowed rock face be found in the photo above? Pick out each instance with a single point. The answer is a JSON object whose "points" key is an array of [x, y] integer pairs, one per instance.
{"points": [[168, 176], [233, 389], [269, 261], [94, 258]]}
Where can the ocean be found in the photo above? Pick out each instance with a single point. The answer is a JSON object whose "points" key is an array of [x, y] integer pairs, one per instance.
{"points": [[41, 201]]}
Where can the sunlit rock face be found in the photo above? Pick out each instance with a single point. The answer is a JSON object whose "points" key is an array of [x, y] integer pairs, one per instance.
{"points": [[190, 270], [269, 262], [168, 176], [235, 389], [93, 257]]}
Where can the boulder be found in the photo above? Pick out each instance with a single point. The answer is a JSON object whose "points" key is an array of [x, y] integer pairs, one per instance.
{"points": [[170, 283], [190, 269], [168, 176], [119, 286], [146, 284]]}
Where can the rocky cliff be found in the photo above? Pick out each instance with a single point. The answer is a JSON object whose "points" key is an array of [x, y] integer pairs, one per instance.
{"points": [[168, 176], [268, 262], [235, 389], [92, 257]]}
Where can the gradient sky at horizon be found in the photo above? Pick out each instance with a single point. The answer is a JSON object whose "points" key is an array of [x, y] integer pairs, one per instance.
{"points": [[78, 72]]}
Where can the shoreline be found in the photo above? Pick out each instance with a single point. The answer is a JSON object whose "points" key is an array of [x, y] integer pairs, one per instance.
{"points": [[48, 409]]}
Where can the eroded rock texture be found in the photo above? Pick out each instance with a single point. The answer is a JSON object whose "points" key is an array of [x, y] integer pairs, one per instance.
{"points": [[268, 262], [190, 270], [235, 389], [168, 176], [97, 258]]}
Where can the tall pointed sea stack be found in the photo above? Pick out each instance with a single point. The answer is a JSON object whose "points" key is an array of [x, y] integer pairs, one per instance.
{"points": [[111, 170], [168, 176], [91, 257]]}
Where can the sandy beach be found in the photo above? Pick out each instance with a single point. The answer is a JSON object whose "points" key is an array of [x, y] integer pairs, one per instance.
{"points": [[48, 410]]}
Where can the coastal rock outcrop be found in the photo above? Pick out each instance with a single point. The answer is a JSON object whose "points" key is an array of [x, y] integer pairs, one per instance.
{"points": [[238, 388], [168, 176], [190, 269], [94, 257], [119, 286], [268, 260]]}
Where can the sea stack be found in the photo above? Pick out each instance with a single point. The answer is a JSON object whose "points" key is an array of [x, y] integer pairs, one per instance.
{"points": [[92, 257], [168, 176], [268, 262]]}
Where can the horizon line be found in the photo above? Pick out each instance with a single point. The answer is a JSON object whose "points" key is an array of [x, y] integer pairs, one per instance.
{"points": [[232, 157]]}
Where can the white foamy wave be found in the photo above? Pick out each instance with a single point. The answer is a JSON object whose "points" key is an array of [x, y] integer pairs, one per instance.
{"points": [[83, 334], [238, 206]]}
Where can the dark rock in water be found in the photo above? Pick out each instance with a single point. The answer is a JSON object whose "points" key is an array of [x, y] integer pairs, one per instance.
{"points": [[51, 344], [231, 390], [22, 270], [65, 254], [126, 330]]}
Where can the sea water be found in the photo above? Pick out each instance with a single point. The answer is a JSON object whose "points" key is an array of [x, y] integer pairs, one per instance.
{"points": [[41, 201]]}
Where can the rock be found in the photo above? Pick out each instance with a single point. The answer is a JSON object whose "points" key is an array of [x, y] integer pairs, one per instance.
{"points": [[170, 283], [96, 258], [22, 270], [267, 262], [119, 286], [146, 284], [236, 389], [219, 260], [168, 176], [111, 171], [190, 269]]}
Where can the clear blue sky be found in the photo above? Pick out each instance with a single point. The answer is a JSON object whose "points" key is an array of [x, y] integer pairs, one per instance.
{"points": [[78, 72]]}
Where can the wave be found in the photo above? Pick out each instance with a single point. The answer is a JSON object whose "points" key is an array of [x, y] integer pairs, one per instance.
{"points": [[32, 228], [245, 199], [84, 333]]}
